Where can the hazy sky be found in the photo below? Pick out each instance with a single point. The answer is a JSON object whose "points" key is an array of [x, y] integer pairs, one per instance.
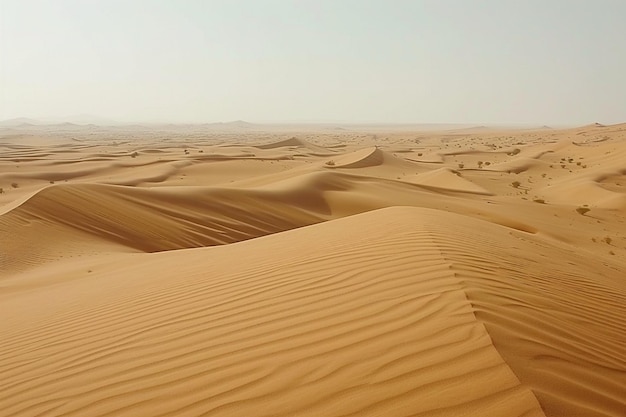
{"points": [[439, 61]]}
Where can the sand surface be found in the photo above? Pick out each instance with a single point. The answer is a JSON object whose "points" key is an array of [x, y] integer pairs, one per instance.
{"points": [[245, 270]]}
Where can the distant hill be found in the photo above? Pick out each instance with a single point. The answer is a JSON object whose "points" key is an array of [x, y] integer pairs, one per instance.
{"points": [[80, 119], [20, 121], [236, 124]]}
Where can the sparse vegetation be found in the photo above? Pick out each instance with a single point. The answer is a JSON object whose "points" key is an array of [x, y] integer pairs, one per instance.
{"points": [[608, 240], [134, 154], [14, 185], [583, 210], [461, 166], [330, 163], [516, 184], [514, 152], [539, 200]]}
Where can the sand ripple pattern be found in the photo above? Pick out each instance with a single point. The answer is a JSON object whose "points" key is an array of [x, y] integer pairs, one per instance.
{"points": [[370, 315]]}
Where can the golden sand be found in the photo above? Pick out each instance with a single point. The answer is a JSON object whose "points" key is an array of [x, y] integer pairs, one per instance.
{"points": [[313, 272]]}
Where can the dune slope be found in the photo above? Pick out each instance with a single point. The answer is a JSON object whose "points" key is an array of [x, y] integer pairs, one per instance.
{"points": [[392, 312]]}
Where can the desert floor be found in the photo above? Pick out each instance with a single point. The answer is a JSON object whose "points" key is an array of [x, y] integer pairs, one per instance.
{"points": [[247, 270]]}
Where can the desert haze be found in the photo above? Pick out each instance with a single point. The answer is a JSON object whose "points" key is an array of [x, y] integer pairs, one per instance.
{"points": [[238, 269]]}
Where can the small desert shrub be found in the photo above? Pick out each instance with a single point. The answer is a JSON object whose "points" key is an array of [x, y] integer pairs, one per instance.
{"points": [[516, 184], [419, 154], [583, 210], [514, 152], [461, 165], [330, 163], [14, 185], [134, 155], [539, 200], [608, 240], [487, 163], [1, 190]]}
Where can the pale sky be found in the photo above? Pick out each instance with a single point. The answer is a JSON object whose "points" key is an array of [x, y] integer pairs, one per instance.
{"points": [[429, 61]]}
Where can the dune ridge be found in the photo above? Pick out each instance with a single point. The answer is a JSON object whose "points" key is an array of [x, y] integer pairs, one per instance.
{"points": [[169, 218]]}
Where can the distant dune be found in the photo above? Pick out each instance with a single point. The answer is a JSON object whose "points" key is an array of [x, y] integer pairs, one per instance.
{"points": [[241, 271]]}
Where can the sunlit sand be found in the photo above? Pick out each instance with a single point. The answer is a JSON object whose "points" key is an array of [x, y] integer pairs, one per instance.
{"points": [[249, 270]]}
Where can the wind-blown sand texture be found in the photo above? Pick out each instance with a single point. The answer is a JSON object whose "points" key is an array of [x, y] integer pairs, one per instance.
{"points": [[250, 270]]}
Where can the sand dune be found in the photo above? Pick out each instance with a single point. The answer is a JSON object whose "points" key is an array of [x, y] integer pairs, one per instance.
{"points": [[367, 157], [447, 179], [168, 218], [295, 143], [201, 273], [231, 340]]}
